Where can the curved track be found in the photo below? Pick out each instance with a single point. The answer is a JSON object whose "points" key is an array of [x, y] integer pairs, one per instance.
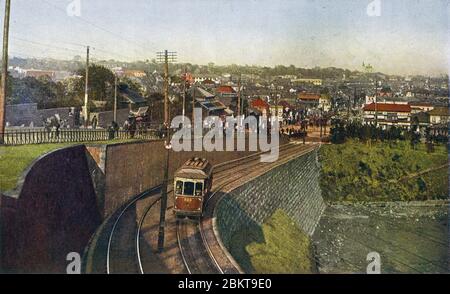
{"points": [[114, 247], [138, 234], [193, 241], [195, 255]]}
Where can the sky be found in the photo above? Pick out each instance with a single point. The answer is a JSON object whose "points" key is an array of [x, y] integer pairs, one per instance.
{"points": [[405, 37]]}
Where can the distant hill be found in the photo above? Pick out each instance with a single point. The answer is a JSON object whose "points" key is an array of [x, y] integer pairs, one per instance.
{"points": [[210, 69]]}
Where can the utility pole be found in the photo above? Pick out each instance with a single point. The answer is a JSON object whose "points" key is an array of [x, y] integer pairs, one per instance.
{"points": [[242, 102], [165, 57], [376, 101], [194, 89], [239, 97], [4, 80], [276, 107], [86, 91], [115, 98], [184, 93], [369, 69], [321, 122]]}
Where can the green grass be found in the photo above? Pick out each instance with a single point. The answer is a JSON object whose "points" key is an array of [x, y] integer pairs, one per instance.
{"points": [[355, 171], [14, 160], [283, 248]]}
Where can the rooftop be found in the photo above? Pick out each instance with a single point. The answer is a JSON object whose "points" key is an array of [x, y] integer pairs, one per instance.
{"points": [[259, 103], [226, 90], [388, 107], [308, 96]]}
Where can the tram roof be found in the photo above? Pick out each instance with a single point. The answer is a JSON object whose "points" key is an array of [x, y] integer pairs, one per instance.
{"points": [[195, 168]]}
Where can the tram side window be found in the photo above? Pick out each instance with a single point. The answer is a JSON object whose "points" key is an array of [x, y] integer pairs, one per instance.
{"points": [[189, 188], [179, 188], [199, 189]]}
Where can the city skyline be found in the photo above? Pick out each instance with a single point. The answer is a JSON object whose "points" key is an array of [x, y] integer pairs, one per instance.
{"points": [[301, 33]]}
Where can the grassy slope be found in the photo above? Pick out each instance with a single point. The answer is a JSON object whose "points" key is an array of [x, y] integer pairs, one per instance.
{"points": [[15, 159], [357, 172], [285, 249]]}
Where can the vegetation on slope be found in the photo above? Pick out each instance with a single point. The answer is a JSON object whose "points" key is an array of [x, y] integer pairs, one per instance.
{"points": [[280, 248], [14, 160], [383, 171]]}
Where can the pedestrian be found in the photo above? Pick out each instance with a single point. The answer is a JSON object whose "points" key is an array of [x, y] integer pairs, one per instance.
{"points": [[94, 122]]}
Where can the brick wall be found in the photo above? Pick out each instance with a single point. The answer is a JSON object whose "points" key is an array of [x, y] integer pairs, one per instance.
{"points": [[292, 187], [133, 168]]}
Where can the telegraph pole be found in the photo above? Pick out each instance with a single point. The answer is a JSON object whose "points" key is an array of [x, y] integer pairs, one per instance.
{"points": [[86, 91], [115, 98], [165, 57], [194, 90], [4, 79], [376, 101], [239, 97], [184, 93], [276, 105]]}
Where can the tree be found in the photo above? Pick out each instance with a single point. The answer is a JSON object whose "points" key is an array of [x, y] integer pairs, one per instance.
{"points": [[101, 81], [338, 132]]}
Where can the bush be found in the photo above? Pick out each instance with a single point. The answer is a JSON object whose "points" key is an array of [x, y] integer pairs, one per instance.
{"points": [[354, 172]]}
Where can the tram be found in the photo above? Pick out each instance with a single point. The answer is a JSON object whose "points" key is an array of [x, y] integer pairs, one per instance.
{"points": [[192, 185]]}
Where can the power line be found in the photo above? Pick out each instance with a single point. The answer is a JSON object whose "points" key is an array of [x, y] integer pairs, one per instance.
{"points": [[45, 45], [51, 46], [97, 26]]}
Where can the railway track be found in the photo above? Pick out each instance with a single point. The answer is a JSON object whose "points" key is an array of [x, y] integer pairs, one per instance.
{"points": [[119, 258], [194, 241], [195, 254], [250, 162], [124, 245]]}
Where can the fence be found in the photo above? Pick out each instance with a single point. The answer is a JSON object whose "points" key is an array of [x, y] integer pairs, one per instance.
{"points": [[42, 136]]}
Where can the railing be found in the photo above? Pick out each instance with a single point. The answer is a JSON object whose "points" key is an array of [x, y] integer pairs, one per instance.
{"points": [[43, 136]]}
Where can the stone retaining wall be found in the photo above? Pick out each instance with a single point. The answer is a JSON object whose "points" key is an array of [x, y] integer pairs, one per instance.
{"points": [[292, 187]]}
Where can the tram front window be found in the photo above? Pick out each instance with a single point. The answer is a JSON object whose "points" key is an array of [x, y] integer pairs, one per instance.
{"points": [[179, 188], [199, 189], [189, 188]]}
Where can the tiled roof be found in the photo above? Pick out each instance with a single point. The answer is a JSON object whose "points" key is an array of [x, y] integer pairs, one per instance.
{"points": [[308, 96], [388, 107], [197, 91], [226, 90], [212, 105], [259, 103], [132, 97]]}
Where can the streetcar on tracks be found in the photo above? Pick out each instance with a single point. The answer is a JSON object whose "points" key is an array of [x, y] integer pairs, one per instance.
{"points": [[192, 185]]}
